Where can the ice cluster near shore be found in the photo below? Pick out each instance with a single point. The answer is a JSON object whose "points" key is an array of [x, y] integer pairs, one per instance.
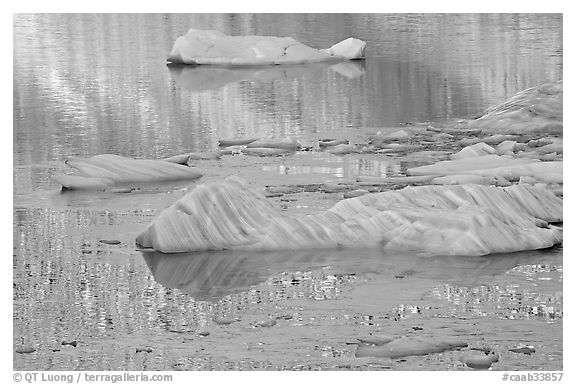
{"points": [[495, 195], [208, 47]]}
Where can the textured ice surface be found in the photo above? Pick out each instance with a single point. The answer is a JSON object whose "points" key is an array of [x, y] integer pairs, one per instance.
{"points": [[449, 220], [537, 109]]}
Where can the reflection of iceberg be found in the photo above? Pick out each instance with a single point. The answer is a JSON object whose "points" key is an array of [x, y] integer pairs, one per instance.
{"points": [[216, 48], [449, 220], [350, 69], [200, 78], [206, 275], [211, 275]]}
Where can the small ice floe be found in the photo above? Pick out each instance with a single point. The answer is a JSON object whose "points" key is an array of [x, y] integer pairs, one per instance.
{"points": [[526, 349], [343, 149], [265, 323], [387, 136], [474, 150], [289, 143], [102, 172], [120, 190], [266, 151], [238, 141], [409, 346], [376, 340], [507, 147], [334, 188], [189, 158], [221, 320], [25, 349], [479, 359], [282, 189], [272, 147], [323, 143], [110, 242]]}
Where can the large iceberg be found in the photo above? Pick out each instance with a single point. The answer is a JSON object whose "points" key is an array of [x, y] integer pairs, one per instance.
{"points": [[433, 220], [105, 171], [213, 47]]}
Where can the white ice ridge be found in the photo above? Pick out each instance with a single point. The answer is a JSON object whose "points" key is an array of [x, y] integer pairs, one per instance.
{"points": [[213, 47], [495, 166], [467, 220]]}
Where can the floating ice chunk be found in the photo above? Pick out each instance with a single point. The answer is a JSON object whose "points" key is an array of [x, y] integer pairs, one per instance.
{"points": [[475, 150], [350, 48], [342, 149], [187, 158], [266, 151], [507, 147], [285, 143], [448, 220], [213, 47], [479, 360], [102, 171], [408, 346]]}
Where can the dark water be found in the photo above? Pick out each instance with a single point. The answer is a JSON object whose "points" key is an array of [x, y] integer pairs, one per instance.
{"points": [[91, 84]]}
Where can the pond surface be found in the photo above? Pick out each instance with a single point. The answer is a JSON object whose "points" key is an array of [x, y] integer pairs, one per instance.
{"points": [[86, 84]]}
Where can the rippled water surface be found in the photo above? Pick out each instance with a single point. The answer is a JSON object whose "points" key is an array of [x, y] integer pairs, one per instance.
{"points": [[92, 84]]}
